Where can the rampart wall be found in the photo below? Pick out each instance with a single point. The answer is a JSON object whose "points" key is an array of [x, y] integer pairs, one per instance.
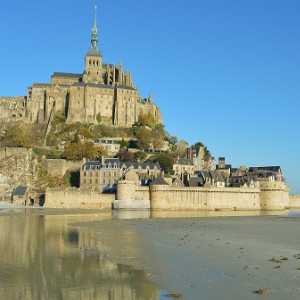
{"points": [[77, 198], [170, 198], [274, 195], [269, 196], [294, 201]]}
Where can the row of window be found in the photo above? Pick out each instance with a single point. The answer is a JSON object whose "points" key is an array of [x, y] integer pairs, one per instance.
{"points": [[97, 181], [105, 174], [94, 63]]}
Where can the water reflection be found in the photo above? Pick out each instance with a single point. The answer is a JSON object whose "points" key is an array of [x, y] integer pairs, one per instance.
{"points": [[42, 257], [119, 214]]}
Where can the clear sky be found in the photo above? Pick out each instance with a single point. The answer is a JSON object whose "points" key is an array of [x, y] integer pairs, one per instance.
{"points": [[223, 72]]}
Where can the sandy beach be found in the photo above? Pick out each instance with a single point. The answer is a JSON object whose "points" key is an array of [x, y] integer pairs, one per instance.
{"points": [[211, 257]]}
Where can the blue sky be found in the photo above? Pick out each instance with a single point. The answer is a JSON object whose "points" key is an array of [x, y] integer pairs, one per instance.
{"points": [[224, 72]]}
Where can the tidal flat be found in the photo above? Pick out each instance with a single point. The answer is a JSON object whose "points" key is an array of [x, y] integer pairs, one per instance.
{"points": [[59, 254], [223, 257]]}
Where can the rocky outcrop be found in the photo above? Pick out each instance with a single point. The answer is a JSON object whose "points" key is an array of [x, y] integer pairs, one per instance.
{"points": [[17, 168]]}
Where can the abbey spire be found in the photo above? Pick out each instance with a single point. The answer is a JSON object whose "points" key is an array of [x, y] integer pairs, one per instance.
{"points": [[93, 59], [94, 50]]}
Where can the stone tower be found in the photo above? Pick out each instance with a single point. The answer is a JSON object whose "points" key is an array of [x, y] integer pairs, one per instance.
{"points": [[93, 59]]}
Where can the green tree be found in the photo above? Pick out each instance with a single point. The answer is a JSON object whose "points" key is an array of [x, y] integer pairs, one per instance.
{"points": [[197, 145], [123, 144], [125, 155], [140, 156], [147, 120], [157, 139], [17, 135], [165, 161], [143, 136], [87, 149]]}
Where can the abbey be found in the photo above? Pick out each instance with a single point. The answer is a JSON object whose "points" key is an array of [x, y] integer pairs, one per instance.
{"points": [[102, 91]]}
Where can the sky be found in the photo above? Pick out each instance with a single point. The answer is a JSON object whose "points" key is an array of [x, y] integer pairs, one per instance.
{"points": [[223, 72]]}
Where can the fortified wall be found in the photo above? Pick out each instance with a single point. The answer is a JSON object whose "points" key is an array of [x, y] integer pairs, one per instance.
{"points": [[274, 195], [294, 201], [270, 196], [172, 198], [77, 198]]}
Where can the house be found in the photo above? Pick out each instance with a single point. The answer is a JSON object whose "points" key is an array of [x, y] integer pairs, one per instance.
{"points": [[271, 173], [218, 178], [183, 166], [111, 146], [100, 175], [20, 194], [145, 170]]}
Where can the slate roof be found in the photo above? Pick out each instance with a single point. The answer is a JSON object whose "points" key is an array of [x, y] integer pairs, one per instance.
{"points": [[112, 163], [195, 181], [62, 74], [266, 168], [20, 190], [159, 181], [144, 165]]}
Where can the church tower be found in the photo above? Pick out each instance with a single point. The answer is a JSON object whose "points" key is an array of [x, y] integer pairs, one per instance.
{"points": [[93, 59]]}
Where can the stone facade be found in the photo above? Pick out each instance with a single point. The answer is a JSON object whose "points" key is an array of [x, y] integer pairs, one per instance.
{"points": [[102, 91], [100, 175]]}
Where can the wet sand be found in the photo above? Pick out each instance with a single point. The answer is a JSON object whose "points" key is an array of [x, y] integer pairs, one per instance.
{"points": [[211, 258]]}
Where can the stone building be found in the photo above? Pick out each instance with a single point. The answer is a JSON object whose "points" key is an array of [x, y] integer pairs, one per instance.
{"points": [[111, 146], [100, 175], [102, 91], [200, 161], [183, 166]]}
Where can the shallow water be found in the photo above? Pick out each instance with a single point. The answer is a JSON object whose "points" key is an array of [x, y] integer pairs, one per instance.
{"points": [[43, 257]]}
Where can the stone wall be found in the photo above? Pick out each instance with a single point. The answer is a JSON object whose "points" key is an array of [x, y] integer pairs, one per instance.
{"points": [[57, 167], [77, 198], [294, 201], [170, 198], [274, 195], [270, 196]]}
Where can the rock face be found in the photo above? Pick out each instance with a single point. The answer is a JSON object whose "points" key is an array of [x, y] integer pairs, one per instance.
{"points": [[17, 167]]}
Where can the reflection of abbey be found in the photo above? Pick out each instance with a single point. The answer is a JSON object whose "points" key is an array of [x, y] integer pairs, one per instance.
{"points": [[103, 90]]}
